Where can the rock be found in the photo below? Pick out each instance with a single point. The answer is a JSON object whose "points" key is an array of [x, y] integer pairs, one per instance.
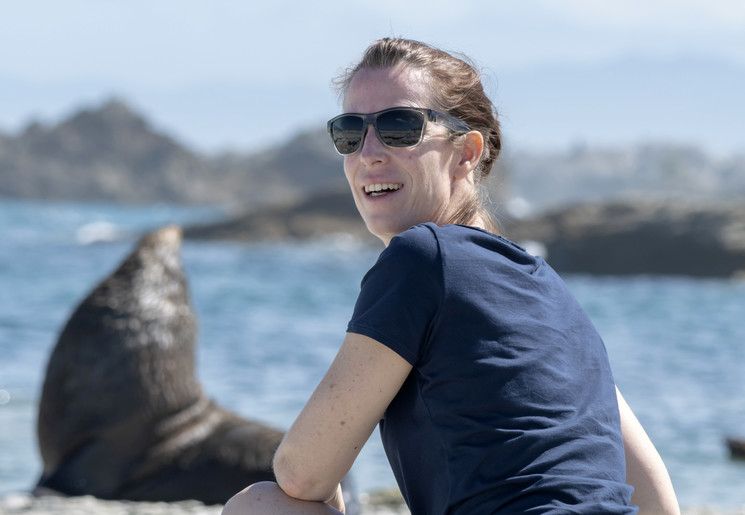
{"points": [[620, 237], [112, 153], [627, 237], [736, 447], [321, 215]]}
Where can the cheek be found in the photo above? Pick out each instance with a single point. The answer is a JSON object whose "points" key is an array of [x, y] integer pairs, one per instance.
{"points": [[434, 177], [348, 169]]}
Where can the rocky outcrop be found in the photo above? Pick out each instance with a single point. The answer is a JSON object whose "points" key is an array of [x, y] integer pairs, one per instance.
{"points": [[641, 237], [322, 215], [111, 153], [622, 237], [736, 447]]}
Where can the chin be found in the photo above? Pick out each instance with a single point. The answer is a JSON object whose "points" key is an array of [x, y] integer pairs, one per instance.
{"points": [[387, 231]]}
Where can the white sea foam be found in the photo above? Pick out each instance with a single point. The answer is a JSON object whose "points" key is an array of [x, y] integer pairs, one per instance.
{"points": [[100, 231]]}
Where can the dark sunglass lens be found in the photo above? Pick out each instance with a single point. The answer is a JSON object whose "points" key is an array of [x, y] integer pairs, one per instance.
{"points": [[400, 128], [346, 132]]}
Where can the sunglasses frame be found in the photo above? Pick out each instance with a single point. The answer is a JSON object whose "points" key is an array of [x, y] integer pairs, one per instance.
{"points": [[368, 119]]}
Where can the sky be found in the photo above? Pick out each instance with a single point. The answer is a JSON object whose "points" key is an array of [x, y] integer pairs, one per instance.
{"points": [[236, 75]]}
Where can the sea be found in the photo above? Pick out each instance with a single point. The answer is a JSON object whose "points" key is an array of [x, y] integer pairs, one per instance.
{"points": [[271, 316]]}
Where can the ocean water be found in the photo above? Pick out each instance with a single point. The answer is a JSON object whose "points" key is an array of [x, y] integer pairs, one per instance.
{"points": [[271, 317]]}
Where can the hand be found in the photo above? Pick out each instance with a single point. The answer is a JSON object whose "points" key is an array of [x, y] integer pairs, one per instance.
{"points": [[337, 500]]}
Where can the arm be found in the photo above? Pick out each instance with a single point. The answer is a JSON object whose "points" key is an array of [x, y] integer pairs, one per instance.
{"points": [[645, 471], [329, 433]]}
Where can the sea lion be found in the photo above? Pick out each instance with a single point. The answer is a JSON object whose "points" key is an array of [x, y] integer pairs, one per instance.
{"points": [[122, 415]]}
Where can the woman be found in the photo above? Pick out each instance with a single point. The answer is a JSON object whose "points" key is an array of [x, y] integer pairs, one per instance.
{"points": [[491, 387]]}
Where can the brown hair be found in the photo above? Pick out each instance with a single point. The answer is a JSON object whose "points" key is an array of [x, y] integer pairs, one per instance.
{"points": [[457, 88]]}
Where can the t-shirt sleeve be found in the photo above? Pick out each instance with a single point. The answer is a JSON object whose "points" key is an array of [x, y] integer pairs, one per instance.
{"points": [[401, 294]]}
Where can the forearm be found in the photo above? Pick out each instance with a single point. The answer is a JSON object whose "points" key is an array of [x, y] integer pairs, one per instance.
{"points": [[321, 445]]}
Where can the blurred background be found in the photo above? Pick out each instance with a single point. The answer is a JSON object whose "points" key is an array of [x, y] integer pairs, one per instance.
{"points": [[103, 101], [119, 117], [242, 75]]}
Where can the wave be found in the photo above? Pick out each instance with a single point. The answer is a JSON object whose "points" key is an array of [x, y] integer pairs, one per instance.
{"points": [[100, 232]]}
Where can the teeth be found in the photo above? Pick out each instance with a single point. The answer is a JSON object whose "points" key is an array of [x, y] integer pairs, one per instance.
{"points": [[374, 188]]}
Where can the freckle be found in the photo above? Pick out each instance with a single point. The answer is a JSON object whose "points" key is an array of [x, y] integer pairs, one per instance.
{"points": [[332, 386], [342, 422]]}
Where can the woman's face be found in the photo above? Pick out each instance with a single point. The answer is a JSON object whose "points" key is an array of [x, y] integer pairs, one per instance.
{"points": [[420, 179]]}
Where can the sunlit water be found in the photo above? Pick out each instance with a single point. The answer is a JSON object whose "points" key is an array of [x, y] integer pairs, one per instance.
{"points": [[272, 315]]}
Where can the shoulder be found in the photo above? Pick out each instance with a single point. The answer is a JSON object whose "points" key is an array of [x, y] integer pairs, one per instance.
{"points": [[419, 243], [429, 238], [429, 243], [413, 255]]}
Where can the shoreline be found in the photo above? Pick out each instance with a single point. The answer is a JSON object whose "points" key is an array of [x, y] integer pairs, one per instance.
{"points": [[17, 503], [384, 502]]}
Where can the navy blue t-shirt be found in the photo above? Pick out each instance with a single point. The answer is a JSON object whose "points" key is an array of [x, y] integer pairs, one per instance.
{"points": [[511, 404]]}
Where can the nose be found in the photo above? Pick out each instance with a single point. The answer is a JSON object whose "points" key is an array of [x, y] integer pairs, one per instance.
{"points": [[372, 149]]}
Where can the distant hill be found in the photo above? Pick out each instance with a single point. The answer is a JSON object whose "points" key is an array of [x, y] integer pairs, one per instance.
{"points": [[112, 153]]}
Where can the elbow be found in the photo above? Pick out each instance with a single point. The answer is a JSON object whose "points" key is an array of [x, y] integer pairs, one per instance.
{"points": [[293, 485], [301, 483]]}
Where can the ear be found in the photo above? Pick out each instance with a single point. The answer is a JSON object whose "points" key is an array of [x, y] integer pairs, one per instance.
{"points": [[470, 153]]}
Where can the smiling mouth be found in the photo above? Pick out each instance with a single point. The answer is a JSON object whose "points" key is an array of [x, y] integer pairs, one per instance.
{"points": [[375, 190]]}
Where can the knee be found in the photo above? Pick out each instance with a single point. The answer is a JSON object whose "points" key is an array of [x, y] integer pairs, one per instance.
{"points": [[250, 500]]}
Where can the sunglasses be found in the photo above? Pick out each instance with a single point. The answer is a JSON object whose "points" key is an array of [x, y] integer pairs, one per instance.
{"points": [[397, 127]]}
